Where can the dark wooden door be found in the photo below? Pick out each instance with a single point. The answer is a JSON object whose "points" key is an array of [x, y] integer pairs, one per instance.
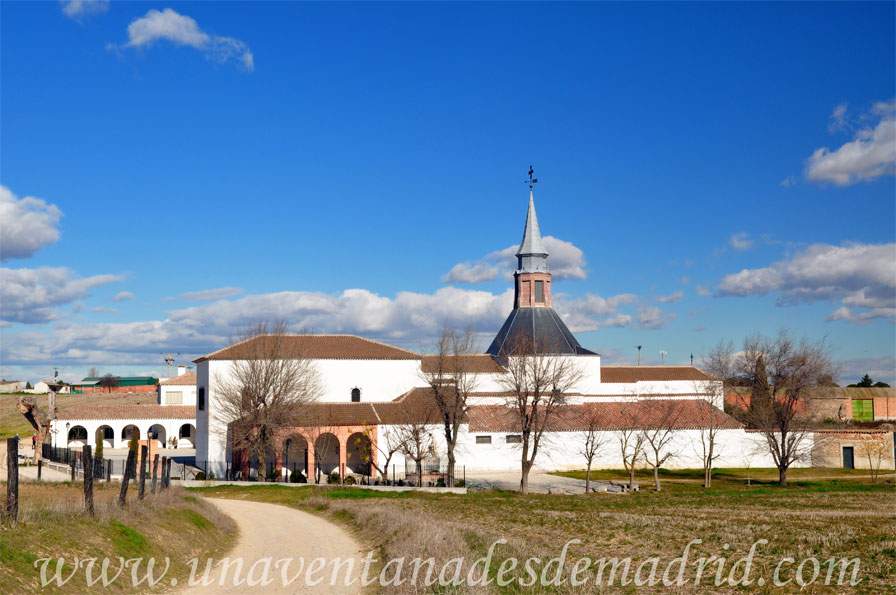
{"points": [[848, 458]]}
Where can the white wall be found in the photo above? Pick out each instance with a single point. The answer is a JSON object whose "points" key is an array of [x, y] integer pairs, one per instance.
{"points": [[379, 380], [59, 429], [188, 394]]}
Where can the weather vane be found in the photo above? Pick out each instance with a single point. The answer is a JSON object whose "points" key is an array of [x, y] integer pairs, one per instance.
{"points": [[532, 179]]}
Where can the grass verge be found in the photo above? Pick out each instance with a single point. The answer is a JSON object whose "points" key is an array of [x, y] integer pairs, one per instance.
{"points": [[173, 525]]}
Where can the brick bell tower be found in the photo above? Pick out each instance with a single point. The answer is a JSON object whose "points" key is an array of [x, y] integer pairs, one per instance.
{"points": [[533, 326], [532, 279]]}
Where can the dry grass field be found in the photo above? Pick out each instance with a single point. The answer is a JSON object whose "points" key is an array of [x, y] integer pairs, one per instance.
{"points": [[52, 524], [820, 519]]}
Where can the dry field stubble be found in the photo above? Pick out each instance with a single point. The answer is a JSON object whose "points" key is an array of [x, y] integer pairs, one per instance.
{"points": [[823, 519]]}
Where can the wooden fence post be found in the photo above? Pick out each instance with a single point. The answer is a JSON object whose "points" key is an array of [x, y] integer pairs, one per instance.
{"points": [[73, 469], [167, 483], [12, 479], [108, 470], [155, 471], [141, 492], [40, 467], [87, 459], [126, 477], [162, 471]]}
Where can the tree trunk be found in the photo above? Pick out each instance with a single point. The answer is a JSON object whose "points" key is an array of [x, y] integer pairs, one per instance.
{"points": [[707, 475], [782, 475], [450, 482], [419, 463], [524, 477], [631, 477], [656, 478], [588, 478]]}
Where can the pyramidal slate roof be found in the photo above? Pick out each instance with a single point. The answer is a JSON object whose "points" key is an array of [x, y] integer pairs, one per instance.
{"points": [[532, 257], [535, 330]]}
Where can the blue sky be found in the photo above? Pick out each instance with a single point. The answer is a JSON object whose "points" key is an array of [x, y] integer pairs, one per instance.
{"points": [[331, 163]]}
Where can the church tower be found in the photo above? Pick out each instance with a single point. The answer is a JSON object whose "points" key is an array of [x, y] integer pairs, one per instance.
{"points": [[533, 326]]}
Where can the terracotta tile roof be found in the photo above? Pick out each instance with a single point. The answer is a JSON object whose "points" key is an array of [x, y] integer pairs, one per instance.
{"points": [[415, 406], [314, 347], [125, 411], [188, 379], [687, 414], [476, 364], [655, 373]]}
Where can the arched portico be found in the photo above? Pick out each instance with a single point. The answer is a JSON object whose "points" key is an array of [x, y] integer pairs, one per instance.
{"points": [[77, 437], [327, 454], [130, 432], [359, 453], [186, 436], [157, 435], [296, 456], [105, 435]]}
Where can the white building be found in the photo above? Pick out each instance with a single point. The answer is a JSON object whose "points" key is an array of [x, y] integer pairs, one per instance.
{"points": [[179, 390], [370, 389]]}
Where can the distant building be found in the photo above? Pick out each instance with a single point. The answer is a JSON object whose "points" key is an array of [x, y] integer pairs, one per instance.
{"points": [[180, 390], [12, 386], [125, 384]]}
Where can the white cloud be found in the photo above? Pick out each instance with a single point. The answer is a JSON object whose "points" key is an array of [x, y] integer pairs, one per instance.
{"points": [[78, 9], [26, 225], [740, 241], [703, 291], [104, 310], [123, 296], [653, 318], [590, 312], [879, 368], [210, 295], [871, 154], [169, 25], [671, 298], [787, 182], [861, 275], [471, 272], [565, 260], [32, 295], [837, 120]]}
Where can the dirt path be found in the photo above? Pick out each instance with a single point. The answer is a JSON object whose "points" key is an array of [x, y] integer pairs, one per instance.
{"points": [[283, 533]]}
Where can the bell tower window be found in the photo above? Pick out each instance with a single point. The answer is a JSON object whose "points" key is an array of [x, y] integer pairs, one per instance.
{"points": [[539, 292], [356, 395]]}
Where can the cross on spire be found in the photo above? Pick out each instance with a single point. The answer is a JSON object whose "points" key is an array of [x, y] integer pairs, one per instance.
{"points": [[532, 179]]}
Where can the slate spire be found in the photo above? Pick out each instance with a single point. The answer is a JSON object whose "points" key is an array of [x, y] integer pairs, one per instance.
{"points": [[531, 255]]}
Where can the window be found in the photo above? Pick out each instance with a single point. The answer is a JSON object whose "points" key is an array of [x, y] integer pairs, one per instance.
{"points": [[483, 439], [539, 292], [863, 410], [356, 395], [514, 439], [200, 398], [174, 397]]}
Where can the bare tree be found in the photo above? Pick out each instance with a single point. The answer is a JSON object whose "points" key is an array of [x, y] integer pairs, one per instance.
{"points": [[593, 442], [108, 382], [875, 451], [659, 436], [784, 373], [537, 387], [265, 389], [720, 364], [393, 442], [450, 377], [417, 444], [631, 444]]}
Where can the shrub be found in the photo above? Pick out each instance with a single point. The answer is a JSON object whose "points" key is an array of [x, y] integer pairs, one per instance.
{"points": [[333, 477], [200, 476], [350, 480]]}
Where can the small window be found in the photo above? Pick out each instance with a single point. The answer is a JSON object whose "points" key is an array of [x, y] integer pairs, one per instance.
{"points": [[356, 395], [174, 397], [539, 292], [483, 439], [200, 398], [863, 410], [514, 439]]}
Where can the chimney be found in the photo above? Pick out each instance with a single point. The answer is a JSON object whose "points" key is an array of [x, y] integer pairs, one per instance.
{"points": [[181, 370]]}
